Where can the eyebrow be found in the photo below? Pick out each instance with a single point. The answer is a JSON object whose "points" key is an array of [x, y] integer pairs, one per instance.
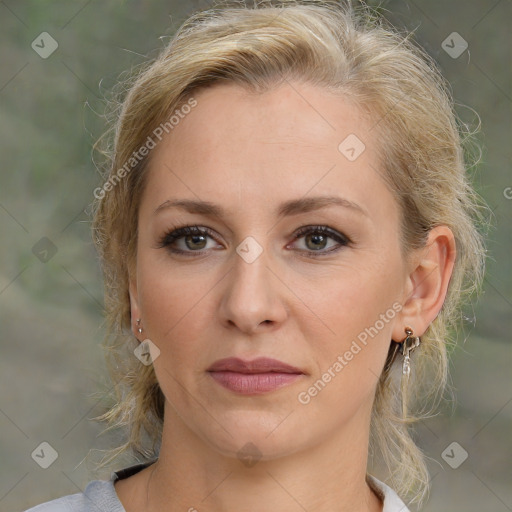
{"points": [[288, 208]]}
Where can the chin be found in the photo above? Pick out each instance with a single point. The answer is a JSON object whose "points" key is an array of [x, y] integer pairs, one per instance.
{"points": [[255, 435]]}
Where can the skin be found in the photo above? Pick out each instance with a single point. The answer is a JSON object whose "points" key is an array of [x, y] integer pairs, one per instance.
{"points": [[248, 153]]}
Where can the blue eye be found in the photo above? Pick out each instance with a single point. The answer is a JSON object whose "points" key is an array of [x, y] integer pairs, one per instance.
{"points": [[194, 240]]}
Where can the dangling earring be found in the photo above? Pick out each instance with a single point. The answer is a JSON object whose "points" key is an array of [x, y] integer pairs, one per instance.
{"points": [[139, 328], [406, 347]]}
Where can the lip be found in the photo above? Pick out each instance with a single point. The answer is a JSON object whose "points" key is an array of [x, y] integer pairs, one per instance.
{"points": [[258, 365], [257, 376]]}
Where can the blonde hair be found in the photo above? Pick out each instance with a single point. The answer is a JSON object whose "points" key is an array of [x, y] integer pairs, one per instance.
{"points": [[346, 50]]}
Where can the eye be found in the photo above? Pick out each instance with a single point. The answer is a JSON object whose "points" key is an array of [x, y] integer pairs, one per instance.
{"points": [[193, 240], [186, 239], [316, 239]]}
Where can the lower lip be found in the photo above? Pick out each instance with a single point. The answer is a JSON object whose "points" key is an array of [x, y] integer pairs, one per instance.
{"points": [[254, 383]]}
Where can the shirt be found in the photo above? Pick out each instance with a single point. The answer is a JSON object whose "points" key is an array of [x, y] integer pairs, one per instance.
{"points": [[100, 496]]}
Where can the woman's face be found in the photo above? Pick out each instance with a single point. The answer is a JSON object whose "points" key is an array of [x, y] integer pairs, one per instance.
{"points": [[262, 281]]}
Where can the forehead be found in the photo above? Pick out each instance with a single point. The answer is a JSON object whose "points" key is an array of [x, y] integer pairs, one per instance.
{"points": [[292, 113], [244, 147]]}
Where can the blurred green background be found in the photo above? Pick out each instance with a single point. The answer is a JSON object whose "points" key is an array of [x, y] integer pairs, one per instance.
{"points": [[51, 366]]}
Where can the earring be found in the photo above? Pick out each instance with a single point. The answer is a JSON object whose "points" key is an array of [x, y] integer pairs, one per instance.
{"points": [[407, 346], [139, 327]]}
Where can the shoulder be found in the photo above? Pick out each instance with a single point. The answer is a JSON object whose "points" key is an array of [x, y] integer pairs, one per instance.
{"points": [[391, 500], [98, 496]]}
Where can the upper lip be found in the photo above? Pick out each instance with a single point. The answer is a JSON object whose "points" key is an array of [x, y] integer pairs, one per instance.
{"points": [[258, 365]]}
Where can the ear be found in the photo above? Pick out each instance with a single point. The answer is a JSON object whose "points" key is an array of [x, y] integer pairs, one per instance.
{"points": [[134, 304], [428, 280]]}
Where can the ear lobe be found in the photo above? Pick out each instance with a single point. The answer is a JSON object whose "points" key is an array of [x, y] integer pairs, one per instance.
{"points": [[428, 280]]}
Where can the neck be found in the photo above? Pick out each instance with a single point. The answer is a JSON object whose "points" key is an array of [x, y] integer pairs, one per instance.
{"points": [[190, 475]]}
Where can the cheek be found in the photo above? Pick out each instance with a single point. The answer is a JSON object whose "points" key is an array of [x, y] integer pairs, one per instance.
{"points": [[171, 305], [172, 315], [359, 305], [359, 291], [348, 361]]}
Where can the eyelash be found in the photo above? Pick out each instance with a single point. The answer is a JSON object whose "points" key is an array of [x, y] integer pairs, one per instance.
{"points": [[179, 232]]}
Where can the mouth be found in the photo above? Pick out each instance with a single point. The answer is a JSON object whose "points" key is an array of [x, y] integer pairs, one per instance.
{"points": [[260, 375]]}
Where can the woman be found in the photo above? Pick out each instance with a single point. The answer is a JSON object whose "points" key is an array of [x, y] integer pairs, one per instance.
{"points": [[288, 231]]}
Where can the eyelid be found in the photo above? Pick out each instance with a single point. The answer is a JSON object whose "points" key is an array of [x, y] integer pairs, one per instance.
{"points": [[181, 231], [340, 238], [324, 229], [184, 230]]}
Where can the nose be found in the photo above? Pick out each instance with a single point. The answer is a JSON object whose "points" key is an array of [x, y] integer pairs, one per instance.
{"points": [[252, 298]]}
